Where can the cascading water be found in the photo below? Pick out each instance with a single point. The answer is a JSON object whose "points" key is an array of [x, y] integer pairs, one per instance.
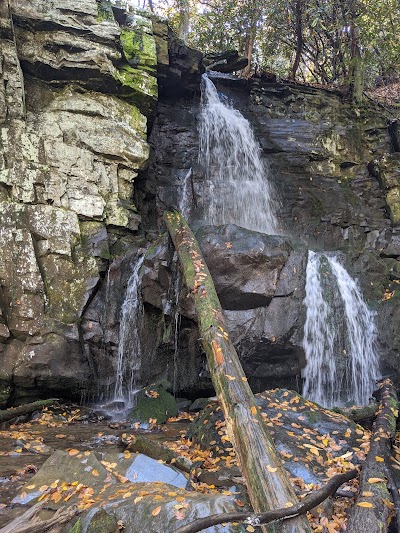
{"points": [[129, 348], [185, 199], [339, 336], [239, 191]]}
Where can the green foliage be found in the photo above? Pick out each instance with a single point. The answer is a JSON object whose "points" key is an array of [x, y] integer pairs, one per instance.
{"points": [[340, 39]]}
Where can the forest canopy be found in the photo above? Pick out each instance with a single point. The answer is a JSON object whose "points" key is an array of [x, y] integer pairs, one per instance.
{"points": [[341, 42]]}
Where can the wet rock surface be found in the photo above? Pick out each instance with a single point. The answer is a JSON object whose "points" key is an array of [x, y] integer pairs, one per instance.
{"points": [[307, 437]]}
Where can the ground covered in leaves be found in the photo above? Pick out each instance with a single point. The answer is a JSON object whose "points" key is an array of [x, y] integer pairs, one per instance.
{"points": [[314, 444]]}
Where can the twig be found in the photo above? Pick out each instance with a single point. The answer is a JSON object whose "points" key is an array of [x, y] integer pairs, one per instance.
{"points": [[256, 519]]}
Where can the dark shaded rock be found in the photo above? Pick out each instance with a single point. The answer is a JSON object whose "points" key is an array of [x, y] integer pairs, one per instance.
{"points": [[182, 72], [199, 404], [245, 265], [154, 403], [306, 435], [228, 61]]}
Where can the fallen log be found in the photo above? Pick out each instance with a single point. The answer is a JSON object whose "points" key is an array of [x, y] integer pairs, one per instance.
{"points": [[372, 509], [155, 450], [268, 484], [358, 413], [13, 412], [257, 519], [29, 522]]}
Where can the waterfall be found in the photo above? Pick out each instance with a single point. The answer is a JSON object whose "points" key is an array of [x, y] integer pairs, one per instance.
{"points": [[339, 336], [185, 199], [238, 189], [129, 348]]}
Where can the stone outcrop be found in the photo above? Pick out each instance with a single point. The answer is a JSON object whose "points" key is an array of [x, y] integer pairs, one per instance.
{"points": [[78, 88]]}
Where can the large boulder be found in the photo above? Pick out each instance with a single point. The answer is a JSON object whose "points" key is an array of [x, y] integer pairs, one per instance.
{"points": [[306, 436], [245, 265], [144, 494]]}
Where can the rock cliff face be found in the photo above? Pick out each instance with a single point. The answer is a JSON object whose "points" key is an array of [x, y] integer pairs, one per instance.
{"points": [[82, 190], [334, 167], [77, 89]]}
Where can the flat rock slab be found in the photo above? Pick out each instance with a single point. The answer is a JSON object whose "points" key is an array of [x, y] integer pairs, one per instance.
{"points": [[144, 494]]}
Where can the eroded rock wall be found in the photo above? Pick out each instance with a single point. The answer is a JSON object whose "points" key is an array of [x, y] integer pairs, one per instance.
{"points": [[73, 116]]}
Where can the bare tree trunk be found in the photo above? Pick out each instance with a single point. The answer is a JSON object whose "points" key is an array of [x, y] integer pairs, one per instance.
{"points": [[184, 19], [299, 39], [248, 51], [268, 484]]}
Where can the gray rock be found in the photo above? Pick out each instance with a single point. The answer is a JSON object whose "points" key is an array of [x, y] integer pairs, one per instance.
{"points": [[110, 481], [245, 265]]}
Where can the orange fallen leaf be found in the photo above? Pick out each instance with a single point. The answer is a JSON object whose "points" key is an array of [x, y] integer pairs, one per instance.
{"points": [[73, 452], [365, 504], [156, 511], [95, 473]]}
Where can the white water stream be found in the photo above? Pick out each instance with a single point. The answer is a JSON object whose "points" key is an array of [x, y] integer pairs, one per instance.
{"points": [[339, 336], [129, 347], [238, 190]]}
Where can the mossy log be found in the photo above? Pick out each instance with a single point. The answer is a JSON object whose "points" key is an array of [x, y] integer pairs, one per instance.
{"points": [[358, 413], [267, 482], [155, 450], [14, 412], [373, 506]]}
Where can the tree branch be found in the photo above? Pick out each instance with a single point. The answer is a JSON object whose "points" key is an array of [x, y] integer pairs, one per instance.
{"points": [[256, 519]]}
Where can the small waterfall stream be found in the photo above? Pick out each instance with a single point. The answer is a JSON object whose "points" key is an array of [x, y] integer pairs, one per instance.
{"points": [[339, 336], [238, 189], [129, 348], [185, 199]]}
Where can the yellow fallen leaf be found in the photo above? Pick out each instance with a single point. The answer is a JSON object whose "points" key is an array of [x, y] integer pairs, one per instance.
{"points": [[244, 378], [379, 459], [231, 378], [126, 495], [43, 488], [375, 480], [30, 487], [253, 410], [288, 504], [271, 468], [95, 473], [137, 499], [127, 454], [367, 494], [250, 529], [156, 511], [365, 504]]}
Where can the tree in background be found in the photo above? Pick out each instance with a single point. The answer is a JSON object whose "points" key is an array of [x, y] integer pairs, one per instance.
{"points": [[335, 42]]}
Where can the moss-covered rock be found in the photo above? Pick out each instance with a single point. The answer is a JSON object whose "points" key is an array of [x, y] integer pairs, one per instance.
{"points": [[154, 403], [305, 434]]}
